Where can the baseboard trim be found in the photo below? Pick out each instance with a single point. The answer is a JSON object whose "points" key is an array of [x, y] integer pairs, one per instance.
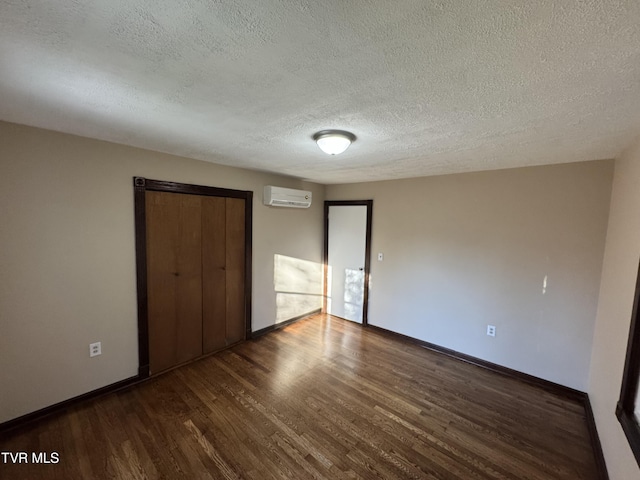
{"points": [[571, 393], [556, 388], [59, 407], [603, 474], [540, 382], [278, 326], [143, 375]]}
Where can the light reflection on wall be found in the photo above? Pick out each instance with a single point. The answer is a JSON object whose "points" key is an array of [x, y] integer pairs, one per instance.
{"points": [[298, 286], [353, 293], [347, 300], [329, 305]]}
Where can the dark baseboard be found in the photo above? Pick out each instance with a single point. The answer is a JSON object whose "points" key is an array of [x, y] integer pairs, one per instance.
{"points": [[277, 326], [59, 407], [143, 374], [552, 387], [595, 439], [540, 382], [143, 371], [556, 388]]}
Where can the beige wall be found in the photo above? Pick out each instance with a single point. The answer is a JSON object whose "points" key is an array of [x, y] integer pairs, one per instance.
{"points": [[463, 251], [619, 272], [68, 259]]}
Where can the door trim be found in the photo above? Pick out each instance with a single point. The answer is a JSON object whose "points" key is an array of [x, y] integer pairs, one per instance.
{"points": [[367, 252], [141, 185]]}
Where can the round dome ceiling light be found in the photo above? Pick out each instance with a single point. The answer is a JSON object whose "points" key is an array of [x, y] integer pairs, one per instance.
{"points": [[334, 142]]}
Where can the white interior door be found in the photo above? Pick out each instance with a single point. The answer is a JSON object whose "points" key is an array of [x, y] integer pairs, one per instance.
{"points": [[347, 238]]}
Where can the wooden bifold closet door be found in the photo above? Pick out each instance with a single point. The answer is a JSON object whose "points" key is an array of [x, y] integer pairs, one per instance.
{"points": [[195, 275]]}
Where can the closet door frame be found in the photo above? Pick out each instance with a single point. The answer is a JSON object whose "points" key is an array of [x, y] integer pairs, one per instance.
{"points": [[142, 185]]}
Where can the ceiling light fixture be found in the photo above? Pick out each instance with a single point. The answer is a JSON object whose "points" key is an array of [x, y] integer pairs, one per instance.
{"points": [[334, 142]]}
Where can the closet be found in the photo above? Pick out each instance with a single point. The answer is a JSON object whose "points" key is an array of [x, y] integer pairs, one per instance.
{"points": [[196, 268]]}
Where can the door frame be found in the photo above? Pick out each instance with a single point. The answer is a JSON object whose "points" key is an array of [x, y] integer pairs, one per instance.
{"points": [[142, 185], [367, 251]]}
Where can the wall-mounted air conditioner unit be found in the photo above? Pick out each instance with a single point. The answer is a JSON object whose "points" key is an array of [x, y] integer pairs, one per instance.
{"points": [[286, 197]]}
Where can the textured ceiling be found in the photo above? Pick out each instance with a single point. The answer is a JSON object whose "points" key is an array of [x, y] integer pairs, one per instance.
{"points": [[427, 87]]}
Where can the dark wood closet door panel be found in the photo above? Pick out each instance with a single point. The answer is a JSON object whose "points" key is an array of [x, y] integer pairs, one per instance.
{"points": [[213, 274], [235, 238], [174, 278], [189, 331], [161, 240]]}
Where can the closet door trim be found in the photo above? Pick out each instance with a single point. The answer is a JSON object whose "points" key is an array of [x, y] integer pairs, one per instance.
{"points": [[141, 185]]}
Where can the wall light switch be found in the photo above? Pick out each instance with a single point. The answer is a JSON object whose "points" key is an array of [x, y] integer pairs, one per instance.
{"points": [[380, 257]]}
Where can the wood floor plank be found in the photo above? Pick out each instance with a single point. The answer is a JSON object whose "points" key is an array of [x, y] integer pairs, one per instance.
{"points": [[322, 398]]}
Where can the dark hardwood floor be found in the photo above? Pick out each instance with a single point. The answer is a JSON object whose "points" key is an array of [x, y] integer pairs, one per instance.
{"points": [[324, 399]]}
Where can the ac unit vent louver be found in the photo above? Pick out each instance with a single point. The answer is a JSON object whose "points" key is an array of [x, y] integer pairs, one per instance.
{"points": [[286, 197]]}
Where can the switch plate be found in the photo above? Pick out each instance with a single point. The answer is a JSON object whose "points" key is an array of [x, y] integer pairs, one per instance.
{"points": [[491, 330], [380, 257], [95, 349]]}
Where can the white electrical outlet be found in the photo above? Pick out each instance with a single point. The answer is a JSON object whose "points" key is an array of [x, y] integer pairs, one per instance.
{"points": [[491, 330], [95, 349]]}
